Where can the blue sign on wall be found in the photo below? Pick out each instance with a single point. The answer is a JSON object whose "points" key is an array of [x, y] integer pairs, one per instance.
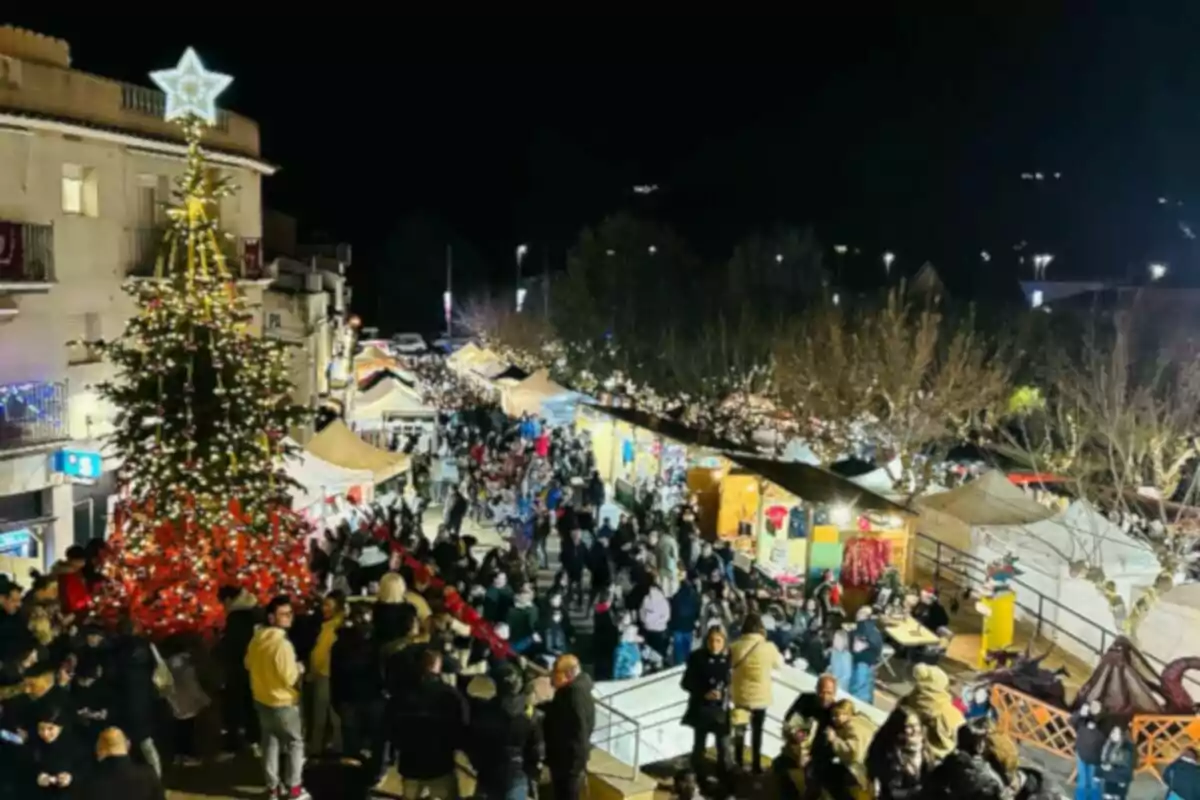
{"points": [[18, 544], [79, 464]]}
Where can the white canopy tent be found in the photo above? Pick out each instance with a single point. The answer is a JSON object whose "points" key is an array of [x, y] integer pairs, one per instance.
{"points": [[389, 398], [527, 396], [321, 480], [1045, 551], [990, 499]]}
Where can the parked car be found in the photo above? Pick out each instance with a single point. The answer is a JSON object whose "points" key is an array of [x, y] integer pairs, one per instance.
{"points": [[409, 343]]}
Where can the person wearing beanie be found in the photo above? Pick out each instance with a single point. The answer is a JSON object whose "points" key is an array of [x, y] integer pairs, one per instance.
{"points": [[502, 740], [931, 701]]}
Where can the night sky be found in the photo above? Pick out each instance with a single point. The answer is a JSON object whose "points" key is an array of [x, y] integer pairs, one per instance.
{"points": [[884, 132]]}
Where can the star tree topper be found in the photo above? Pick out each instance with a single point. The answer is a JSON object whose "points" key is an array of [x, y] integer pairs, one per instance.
{"points": [[191, 89]]}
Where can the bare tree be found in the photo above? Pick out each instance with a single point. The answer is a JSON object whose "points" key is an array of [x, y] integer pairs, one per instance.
{"points": [[1119, 422], [901, 376]]}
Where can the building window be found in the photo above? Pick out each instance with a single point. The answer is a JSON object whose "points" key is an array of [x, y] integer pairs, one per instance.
{"points": [[80, 192], [274, 321]]}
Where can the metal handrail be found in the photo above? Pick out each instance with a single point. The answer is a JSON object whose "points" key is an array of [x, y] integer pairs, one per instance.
{"points": [[1038, 614], [636, 732]]}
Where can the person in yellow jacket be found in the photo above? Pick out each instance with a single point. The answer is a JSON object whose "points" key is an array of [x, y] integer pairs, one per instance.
{"points": [[754, 659], [274, 677], [931, 701], [322, 718]]}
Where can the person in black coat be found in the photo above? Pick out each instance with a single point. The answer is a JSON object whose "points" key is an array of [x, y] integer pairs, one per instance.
{"points": [[133, 689], [965, 772], [600, 564], [355, 682], [574, 558], [116, 776], [707, 680], [429, 726], [606, 634], [503, 743], [54, 759], [242, 616], [92, 699], [567, 728]]}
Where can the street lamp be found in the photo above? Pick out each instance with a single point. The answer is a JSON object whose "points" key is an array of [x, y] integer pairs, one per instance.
{"points": [[779, 258], [522, 249], [888, 258], [652, 249], [1157, 270], [1040, 262]]}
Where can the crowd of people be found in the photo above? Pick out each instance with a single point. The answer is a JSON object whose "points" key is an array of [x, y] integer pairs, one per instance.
{"points": [[423, 649]]}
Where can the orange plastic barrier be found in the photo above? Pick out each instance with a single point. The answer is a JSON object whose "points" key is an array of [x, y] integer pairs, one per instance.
{"points": [[1161, 739], [1037, 724]]}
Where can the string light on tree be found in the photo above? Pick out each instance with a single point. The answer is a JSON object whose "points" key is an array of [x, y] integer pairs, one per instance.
{"points": [[204, 404]]}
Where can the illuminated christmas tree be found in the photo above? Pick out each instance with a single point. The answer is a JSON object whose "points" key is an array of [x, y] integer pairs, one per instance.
{"points": [[204, 404]]}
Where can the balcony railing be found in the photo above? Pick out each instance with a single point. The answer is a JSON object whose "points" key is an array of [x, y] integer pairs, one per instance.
{"points": [[153, 103], [26, 253], [33, 413], [145, 244]]}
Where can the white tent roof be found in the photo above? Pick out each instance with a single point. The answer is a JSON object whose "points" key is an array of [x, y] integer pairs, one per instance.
{"points": [[387, 397], [341, 446], [321, 479], [527, 396], [990, 499], [1079, 533]]}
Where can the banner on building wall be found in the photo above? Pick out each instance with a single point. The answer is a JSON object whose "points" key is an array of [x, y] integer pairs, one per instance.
{"points": [[252, 266]]}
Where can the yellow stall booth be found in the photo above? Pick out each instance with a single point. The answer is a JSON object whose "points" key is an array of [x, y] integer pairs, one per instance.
{"points": [[799, 520]]}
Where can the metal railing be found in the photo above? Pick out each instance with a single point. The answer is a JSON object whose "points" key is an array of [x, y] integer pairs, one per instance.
{"points": [[153, 103], [619, 726], [33, 413], [967, 572], [31, 258]]}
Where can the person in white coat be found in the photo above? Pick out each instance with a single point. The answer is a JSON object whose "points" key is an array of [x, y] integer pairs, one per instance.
{"points": [[655, 615], [666, 558]]}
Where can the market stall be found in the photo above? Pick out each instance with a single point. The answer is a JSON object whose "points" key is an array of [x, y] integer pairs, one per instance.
{"points": [[388, 400], [321, 481], [798, 519], [531, 395], [989, 500], [340, 446]]}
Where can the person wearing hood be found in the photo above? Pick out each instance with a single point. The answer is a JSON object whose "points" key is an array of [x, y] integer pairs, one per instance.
{"points": [[1117, 762], [54, 760], [323, 718], [931, 701], [274, 678], [707, 680], [965, 772], [568, 725], [1002, 753], [627, 659], [898, 762], [754, 659], [655, 616], [503, 743]]}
